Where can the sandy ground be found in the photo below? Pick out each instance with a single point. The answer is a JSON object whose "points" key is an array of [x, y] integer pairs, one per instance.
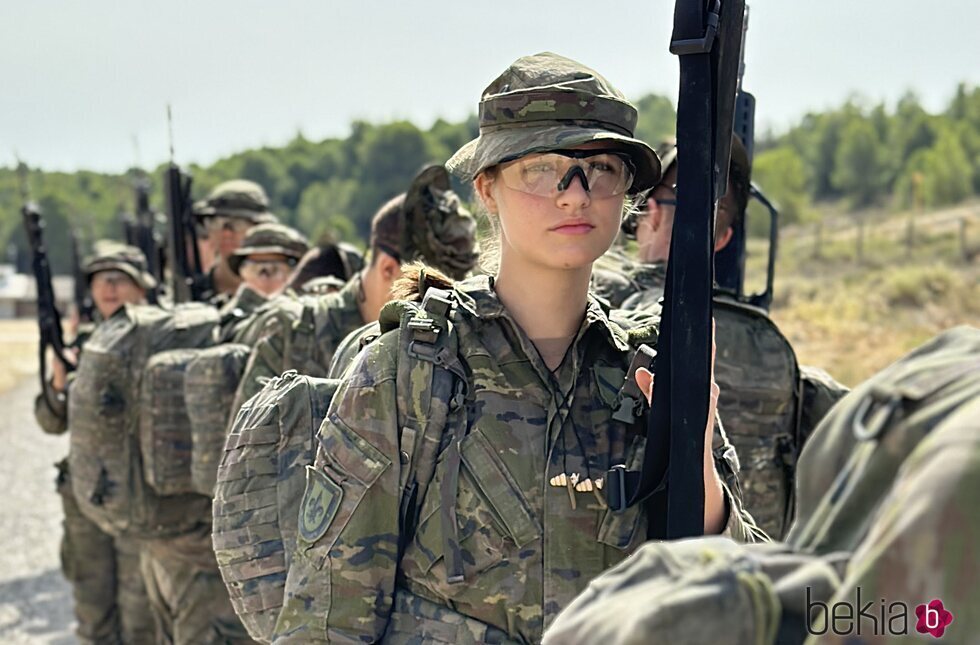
{"points": [[35, 601]]}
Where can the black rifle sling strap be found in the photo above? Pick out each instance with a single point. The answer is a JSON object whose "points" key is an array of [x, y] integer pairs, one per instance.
{"points": [[707, 39]]}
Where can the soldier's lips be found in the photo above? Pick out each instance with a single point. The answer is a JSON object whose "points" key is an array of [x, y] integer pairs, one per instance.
{"points": [[578, 227]]}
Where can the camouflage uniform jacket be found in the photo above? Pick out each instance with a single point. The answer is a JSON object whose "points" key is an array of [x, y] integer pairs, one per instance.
{"points": [[282, 339], [638, 284], [236, 314], [527, 549]]}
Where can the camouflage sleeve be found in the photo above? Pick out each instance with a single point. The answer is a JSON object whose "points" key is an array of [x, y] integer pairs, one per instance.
{"points": [[741, 526], [924, 544], [51, 410], [820, 392], [342, 575]]}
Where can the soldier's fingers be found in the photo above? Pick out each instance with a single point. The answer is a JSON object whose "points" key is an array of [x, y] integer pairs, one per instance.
{"points": [[644, 381]]}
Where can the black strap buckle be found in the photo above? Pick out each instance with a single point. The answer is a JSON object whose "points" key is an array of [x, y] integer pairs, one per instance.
{"points": [[621, 484], [702, 45]]}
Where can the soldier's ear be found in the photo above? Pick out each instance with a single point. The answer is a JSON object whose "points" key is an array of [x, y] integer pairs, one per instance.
{"points": [[722, 240], [389, 266], [483, 185]]}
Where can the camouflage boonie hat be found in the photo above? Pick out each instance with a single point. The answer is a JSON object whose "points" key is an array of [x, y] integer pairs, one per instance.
{"points": [[667, 151], [269, 238], [113, 256], [548, 102], [237, 198], [428, 223]]}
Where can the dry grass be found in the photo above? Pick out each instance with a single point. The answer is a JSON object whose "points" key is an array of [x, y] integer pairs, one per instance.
{"points": [[854, 318], [18, 351]]}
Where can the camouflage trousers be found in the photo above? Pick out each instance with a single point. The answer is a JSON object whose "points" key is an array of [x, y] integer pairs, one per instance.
{"points": [[110, 598], [189, 599]]}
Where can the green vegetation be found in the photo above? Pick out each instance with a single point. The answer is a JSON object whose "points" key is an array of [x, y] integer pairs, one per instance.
{"points": [[865, 156], [856, 156]]}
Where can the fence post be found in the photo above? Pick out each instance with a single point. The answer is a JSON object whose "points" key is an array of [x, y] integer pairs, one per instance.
{"points": [[860, 240]]}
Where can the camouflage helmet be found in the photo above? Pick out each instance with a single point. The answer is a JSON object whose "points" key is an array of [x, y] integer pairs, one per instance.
{"points": [[237, 198], [428, 223], [114, 256], [269, 238], [548, 102]]}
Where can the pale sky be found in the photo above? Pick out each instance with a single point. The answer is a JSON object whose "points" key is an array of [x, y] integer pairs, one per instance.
{"points": [[80, 79]]}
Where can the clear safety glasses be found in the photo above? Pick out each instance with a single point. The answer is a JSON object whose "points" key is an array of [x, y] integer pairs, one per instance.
{"points": [[219, 223], [267, 269], [603, 173]]}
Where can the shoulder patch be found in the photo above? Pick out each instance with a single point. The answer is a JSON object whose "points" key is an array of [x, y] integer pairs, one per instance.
{"points": [[319, 506]]}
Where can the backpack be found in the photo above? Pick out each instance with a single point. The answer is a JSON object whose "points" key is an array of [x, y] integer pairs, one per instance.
{"points": [[209, 389], [856, 451], [262, 474], [757, 371], [260, 480], [856, 480], [106, 459]]}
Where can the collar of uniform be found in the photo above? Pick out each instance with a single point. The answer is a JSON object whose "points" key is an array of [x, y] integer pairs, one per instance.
{"points": [[477, 296], [647, 271]]}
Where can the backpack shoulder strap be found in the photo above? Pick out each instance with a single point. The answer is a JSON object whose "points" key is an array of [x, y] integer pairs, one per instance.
{"points": [[432, 388]]}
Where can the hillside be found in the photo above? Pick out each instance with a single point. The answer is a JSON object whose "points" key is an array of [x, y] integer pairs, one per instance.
{"points": [[854, 317]]}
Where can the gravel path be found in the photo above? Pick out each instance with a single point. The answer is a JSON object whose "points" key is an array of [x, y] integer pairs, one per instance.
{"points": [[35, 601]]}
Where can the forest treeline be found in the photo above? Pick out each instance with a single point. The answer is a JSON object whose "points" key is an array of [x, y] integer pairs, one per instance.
{"points": [[859, 155]]}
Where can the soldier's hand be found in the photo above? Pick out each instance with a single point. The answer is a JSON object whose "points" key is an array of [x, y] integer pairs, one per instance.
{"points": [[59, 373], [715, 506], [644, 380]]}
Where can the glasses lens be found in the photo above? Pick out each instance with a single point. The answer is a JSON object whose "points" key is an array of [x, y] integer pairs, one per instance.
{"points": [[220, 223], [268, 269], [606, 174]]}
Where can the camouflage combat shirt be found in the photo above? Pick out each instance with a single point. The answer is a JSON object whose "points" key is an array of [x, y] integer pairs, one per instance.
{"points": [[527, 549], [283, 340], [630, 285]]}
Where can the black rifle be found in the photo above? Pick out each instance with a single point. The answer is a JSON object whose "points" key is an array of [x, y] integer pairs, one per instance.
{"points": [[145, 237], [184, 259], [83, 299], [707, 38], [48, 316], [730, 261]]}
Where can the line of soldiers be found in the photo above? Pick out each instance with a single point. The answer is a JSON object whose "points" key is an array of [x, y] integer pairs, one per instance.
{"points": [[223, 454]]}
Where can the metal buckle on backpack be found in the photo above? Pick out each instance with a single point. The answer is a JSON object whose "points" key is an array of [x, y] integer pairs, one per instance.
{"points": [[425, 330], [878, 420]]}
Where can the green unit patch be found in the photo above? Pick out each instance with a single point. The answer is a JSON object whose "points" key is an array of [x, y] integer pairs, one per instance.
{"points": [[320, 503]]}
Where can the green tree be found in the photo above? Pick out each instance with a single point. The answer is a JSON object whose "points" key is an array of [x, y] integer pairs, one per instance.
{"points": [[860, 165], [782, 175], [657, 119]]}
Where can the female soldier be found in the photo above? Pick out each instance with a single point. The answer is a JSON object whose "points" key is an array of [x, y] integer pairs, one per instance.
{"points": [[512, 522]]}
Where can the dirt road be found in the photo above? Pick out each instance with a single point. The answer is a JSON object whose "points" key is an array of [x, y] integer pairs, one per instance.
{"points": [[35, 601]]}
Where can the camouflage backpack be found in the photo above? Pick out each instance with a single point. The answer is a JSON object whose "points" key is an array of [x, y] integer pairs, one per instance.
{"points": [[260, 480], [756, 369], [862, 496], [106, 458], [209, 389], [260, 506]]}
